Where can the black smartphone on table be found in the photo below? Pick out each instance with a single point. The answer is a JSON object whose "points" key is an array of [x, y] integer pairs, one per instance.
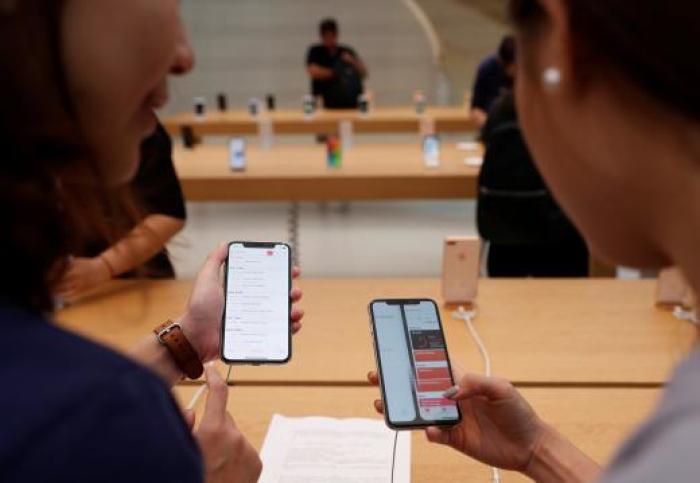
{"points": [[413, 363], [256, 326]]}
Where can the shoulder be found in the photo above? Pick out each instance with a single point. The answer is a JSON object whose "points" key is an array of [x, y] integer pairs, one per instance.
{"points": [[42, 362], [663, 449], [80, 406], [489, 64], [126, 429], [666, 445], [314, 49]]}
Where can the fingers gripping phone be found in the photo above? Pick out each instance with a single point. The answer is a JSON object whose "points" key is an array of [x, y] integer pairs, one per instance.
{"points": [[256, 325], [413, 364]]}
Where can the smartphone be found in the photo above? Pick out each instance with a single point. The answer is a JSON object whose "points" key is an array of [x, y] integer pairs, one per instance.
{"points": [[431, 150], [237, 161], [460, 269], [413, 363], [256, 326]]}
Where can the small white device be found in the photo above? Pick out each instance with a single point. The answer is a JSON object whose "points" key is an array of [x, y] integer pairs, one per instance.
{"points": [[237, 160], [431, 151], [460, 269]]}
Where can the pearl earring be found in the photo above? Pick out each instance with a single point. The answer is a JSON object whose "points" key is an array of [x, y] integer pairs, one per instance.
{"points": [[551, 77]]}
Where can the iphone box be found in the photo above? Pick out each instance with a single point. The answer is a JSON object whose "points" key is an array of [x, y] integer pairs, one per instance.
{"points": [[460, 269]]}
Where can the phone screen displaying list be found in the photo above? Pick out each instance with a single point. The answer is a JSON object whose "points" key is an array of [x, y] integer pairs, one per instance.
{"points": [[256, 318], [413, 362]]}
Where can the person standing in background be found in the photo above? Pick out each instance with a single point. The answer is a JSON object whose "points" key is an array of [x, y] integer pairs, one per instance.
{"points": [[336, 71], [495, 74], [160, 215], [528, 234]]}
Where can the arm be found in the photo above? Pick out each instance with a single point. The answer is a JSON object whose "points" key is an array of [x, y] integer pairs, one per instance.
{"points": [[317, 72], [479, 116], [556, 459], [499, 428], [140, 245], [352, 58]]}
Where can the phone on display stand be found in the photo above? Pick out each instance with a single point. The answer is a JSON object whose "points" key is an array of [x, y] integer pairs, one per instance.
{"points": [[256, 326], [431, 151], [460, 269], [413, 363], [237, 160]]}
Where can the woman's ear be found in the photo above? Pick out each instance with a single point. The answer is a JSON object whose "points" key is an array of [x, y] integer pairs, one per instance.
{"points": [[555, 62]]}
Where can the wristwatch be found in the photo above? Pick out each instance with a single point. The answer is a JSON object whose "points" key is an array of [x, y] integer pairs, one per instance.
{"points": [[170, 335]]}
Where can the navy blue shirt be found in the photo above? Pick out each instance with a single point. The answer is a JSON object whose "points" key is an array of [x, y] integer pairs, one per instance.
{"points": [[491, 80], [73, 411]]}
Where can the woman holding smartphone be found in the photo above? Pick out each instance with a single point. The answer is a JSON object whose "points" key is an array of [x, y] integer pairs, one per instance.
{"points": [[607, 92], [79, 80]]}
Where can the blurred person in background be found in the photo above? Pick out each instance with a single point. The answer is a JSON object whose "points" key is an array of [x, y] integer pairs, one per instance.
{"points": [[528, 234], [335, 70], [494, 76]]}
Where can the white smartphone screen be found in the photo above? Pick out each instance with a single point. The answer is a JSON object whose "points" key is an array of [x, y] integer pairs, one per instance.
{"points": [[256, 326], [237, 159], [431, 150], [413, 362]]}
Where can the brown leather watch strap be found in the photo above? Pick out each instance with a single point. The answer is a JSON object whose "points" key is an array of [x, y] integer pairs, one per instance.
{"points": [[173, 338]]}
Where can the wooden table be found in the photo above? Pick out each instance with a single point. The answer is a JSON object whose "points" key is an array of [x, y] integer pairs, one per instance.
{"points": [[539, 332], [597, 420], [293, 121], [299, 173]]}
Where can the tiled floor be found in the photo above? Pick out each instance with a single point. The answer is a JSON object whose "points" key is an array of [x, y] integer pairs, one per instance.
{"points": [[360, 239]]}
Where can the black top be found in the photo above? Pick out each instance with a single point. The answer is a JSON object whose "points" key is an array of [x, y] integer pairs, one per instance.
{"points": [[76, 412], [491, 81], [514, 205], [156, 190], [330, 90]]}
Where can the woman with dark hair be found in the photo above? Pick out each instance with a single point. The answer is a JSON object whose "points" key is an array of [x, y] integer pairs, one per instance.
{"points": [[79, 82], [610, 107]]}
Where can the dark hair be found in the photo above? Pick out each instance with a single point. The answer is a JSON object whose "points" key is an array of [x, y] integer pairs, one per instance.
{"points": [[506, 51], [651, 42], [328, 25], [45, 214]]}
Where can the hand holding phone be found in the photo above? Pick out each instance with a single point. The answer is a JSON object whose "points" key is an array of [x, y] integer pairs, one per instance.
{"points": [[257, 314], [413, 363], [498, 426]]}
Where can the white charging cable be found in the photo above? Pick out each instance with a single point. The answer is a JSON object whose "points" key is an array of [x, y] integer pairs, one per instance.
{"points": [[468, 318], [688, 315], [202, 389]]}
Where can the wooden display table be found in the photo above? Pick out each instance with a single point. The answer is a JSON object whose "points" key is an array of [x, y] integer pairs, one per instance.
{"points": [[597, 420], [299, 173], [545, 332], [290, 121]]}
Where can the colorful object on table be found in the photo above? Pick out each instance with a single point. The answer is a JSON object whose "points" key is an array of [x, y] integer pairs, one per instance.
{"points": [[334, 152]]}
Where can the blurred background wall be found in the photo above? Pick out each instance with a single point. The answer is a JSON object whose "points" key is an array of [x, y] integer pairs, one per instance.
{"points": [[248, 48]]}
